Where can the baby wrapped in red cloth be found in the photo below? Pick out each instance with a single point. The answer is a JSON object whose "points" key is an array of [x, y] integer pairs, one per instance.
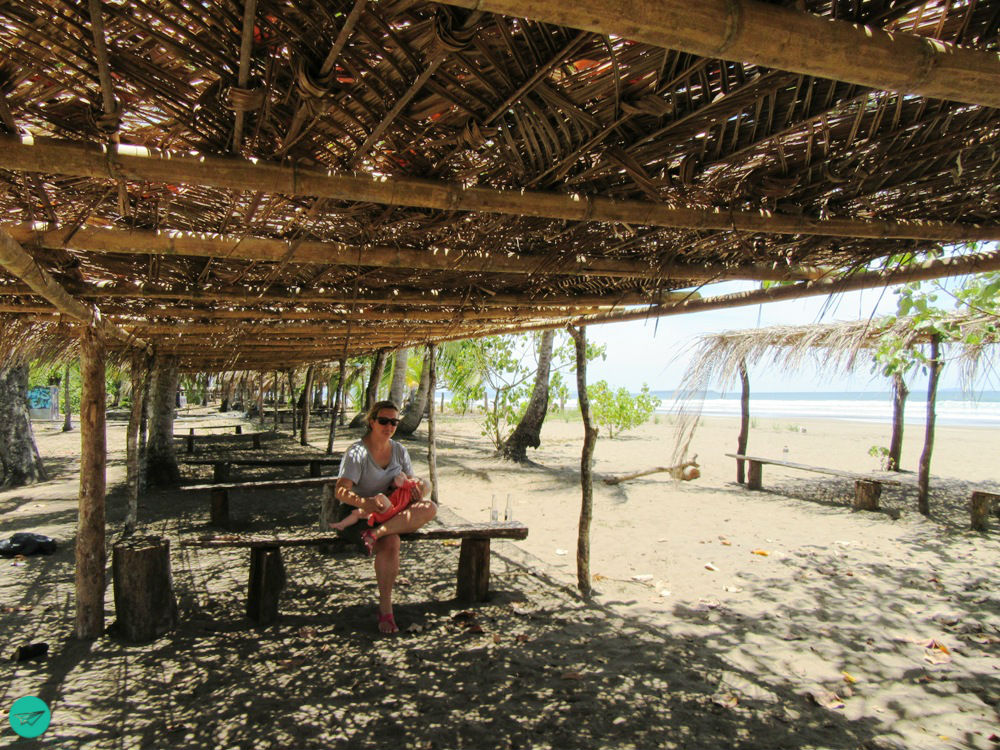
{"points": [[400, 498]]}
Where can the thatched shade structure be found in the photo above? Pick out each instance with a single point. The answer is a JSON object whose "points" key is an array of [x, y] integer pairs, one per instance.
{"points": [[833, 347], [257, 184]]}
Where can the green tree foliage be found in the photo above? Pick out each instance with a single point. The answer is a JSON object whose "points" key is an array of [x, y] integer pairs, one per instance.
{"points": [[620, 410], [501, 371]]}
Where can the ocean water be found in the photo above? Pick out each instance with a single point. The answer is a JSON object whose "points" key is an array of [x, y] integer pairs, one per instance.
{"points": [[951, 408]]}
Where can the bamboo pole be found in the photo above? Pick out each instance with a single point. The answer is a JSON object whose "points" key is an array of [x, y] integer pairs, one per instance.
{"points": [[432, 422], [136, 163], [586, 464], [117, 241], [246, 47], [90, 554], [775, 36], [306, 405]]}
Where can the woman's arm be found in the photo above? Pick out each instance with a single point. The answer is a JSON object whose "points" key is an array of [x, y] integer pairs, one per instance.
{"points": [[344, 492]]}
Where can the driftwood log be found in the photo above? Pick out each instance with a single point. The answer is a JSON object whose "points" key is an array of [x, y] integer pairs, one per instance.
{"points": [[685, 471]]}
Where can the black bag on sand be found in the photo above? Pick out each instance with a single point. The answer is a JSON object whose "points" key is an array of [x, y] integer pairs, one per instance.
{"points": [[27, 543]]}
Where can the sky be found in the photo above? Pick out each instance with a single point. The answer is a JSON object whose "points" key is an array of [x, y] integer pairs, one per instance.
{"points": [[657, 352]]}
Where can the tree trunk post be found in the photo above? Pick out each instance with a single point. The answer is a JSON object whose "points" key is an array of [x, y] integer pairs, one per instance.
{"points": [[90, 555], [161, 468], [586, 461], [260, 400], [292, 402], [529, 428], [20, 462], [398, 386], [923, 482], [335, 409], [432, 422], [67, 410], [306, 406], [741, 441], [413, 414], [145, 607], [899, 394]]}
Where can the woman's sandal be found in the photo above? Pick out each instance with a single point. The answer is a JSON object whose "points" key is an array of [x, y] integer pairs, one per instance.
{"points": [[368, 539], [387, 619]]}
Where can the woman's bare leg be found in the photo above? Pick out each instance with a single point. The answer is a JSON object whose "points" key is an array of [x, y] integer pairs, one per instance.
{"points": [[416, 515], [386, 570]]}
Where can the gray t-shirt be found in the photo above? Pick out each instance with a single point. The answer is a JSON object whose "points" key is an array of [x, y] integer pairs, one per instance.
{"points": [[369, 478]]}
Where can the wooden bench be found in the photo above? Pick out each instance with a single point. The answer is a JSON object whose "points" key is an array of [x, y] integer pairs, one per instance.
{"points": [[267, 569], [219, 492], [867, 488], [222, 467], [254, 436]]}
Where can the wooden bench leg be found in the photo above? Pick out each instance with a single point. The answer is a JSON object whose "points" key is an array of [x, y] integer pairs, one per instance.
{"points": [[755, 472], [220, 507], [474, 571], [190, 443], [267, 579], [145, 607], [221, 471], [315, 469], [256, 441], [980, 509], [866, 494], [239, 429]]}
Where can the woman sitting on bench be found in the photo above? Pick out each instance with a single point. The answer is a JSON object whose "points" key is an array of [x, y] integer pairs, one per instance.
{"points": [[366, 476]]}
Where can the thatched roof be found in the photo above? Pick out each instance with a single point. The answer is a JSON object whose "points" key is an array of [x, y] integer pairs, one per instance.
{"points": [[421, 172]]}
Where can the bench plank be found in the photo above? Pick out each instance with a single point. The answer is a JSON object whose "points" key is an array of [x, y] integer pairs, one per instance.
{"points": [[433, 530], [263, 484], [325, 461], [818, 469]]}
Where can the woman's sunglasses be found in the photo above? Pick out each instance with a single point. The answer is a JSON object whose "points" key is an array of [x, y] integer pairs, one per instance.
{"points": [[387, 420]]}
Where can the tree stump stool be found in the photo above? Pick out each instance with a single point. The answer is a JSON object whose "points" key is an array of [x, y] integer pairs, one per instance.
{"points": [[979, 509], [145, 607], [866, 494]]}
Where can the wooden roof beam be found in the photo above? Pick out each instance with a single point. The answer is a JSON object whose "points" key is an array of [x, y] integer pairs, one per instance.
{"points": [[780, 37], [87, 160], [339, 254], [15, 259]]}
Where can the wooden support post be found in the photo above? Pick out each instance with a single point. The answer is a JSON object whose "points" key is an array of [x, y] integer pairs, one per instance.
{"points": [[220, 507], [255, 440], [755, 471], [145, 607], [866, 494], [190, 442], [329, 507], [586, 464], [979, 509], [432, 423], [741, 440], [91, 558], [267, 579], [239, 429], [474, 571], [315, 469], [221, 471], [924, 469]]}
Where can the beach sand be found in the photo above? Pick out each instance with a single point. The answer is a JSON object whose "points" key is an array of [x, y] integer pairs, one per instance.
{"points": [[721, 617]]}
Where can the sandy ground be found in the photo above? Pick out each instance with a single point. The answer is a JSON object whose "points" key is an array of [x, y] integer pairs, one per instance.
{"points": [[722, 617]]}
